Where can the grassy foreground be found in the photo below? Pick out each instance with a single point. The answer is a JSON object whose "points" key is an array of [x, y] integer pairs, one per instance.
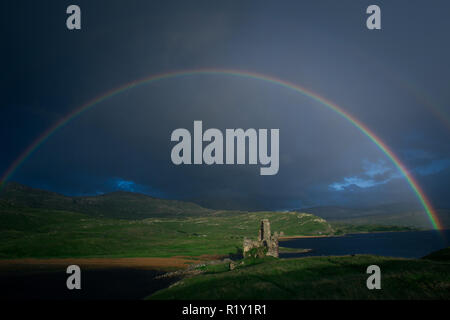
{"points": [[317, 278]]}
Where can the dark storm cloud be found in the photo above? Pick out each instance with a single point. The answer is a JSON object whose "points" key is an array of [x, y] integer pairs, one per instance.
{"points": [[124, 143]]}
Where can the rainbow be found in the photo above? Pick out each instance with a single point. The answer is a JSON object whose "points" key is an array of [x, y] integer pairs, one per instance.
{"points": [[434, 219]]}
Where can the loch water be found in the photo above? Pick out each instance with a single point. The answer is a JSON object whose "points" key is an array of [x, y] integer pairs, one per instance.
{"points": [[410, 244]]}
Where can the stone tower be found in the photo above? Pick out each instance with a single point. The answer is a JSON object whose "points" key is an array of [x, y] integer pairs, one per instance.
{"points": [[264, 234], [266, 244]]}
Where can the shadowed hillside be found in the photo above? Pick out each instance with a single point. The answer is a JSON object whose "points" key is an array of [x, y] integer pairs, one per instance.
{"points": [[119, 205], [441, 255]]}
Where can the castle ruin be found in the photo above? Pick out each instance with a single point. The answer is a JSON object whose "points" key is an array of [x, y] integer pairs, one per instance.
{"points": [[265, 245]]}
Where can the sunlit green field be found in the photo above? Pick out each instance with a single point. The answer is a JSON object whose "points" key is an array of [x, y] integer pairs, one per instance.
{"points": [[27, 232]]}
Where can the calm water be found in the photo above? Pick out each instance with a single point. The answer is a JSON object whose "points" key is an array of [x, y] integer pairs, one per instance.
{"points": [[414, 244], [121, 283]]}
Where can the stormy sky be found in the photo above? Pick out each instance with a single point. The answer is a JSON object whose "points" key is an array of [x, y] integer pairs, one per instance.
{"points": [[395, 81]]}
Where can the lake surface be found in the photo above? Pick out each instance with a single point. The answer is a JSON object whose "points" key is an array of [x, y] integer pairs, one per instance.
{"points": [[411, 244], [119, 283]]}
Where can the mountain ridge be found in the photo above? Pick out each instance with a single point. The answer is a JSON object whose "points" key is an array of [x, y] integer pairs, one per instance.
{"points": [[117, 204], [398, 214]]}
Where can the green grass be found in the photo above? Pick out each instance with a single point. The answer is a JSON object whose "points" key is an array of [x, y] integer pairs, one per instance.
{"points": [[292, 250], [345, 228], [215, 268], [42, 224], [45, 233], [317, 278]]}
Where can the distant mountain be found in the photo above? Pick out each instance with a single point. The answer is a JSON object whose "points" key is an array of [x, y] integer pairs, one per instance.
{"points": [[341, 212], [397, 214], [120, 205]]}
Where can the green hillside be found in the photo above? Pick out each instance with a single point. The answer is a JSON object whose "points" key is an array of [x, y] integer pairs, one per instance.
{"points": [[39, 232], [316, 278], [38, 223], [119, 205]]}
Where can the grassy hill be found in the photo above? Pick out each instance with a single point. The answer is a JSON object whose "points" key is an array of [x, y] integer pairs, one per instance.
{"points": [[119, 205], [316, 278], [440, 255], [28, 232], [41, 224]]}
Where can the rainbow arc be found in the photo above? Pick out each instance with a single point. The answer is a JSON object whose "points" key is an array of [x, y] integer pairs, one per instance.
{"points": [[431, 213]]}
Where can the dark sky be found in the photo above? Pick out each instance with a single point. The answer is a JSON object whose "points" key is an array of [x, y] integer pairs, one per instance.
{"points": [[395, 80]]}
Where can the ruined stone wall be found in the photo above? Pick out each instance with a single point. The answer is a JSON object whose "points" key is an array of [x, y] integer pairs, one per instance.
{"points": [[272, 246], [266, 243], [265, 230]]}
